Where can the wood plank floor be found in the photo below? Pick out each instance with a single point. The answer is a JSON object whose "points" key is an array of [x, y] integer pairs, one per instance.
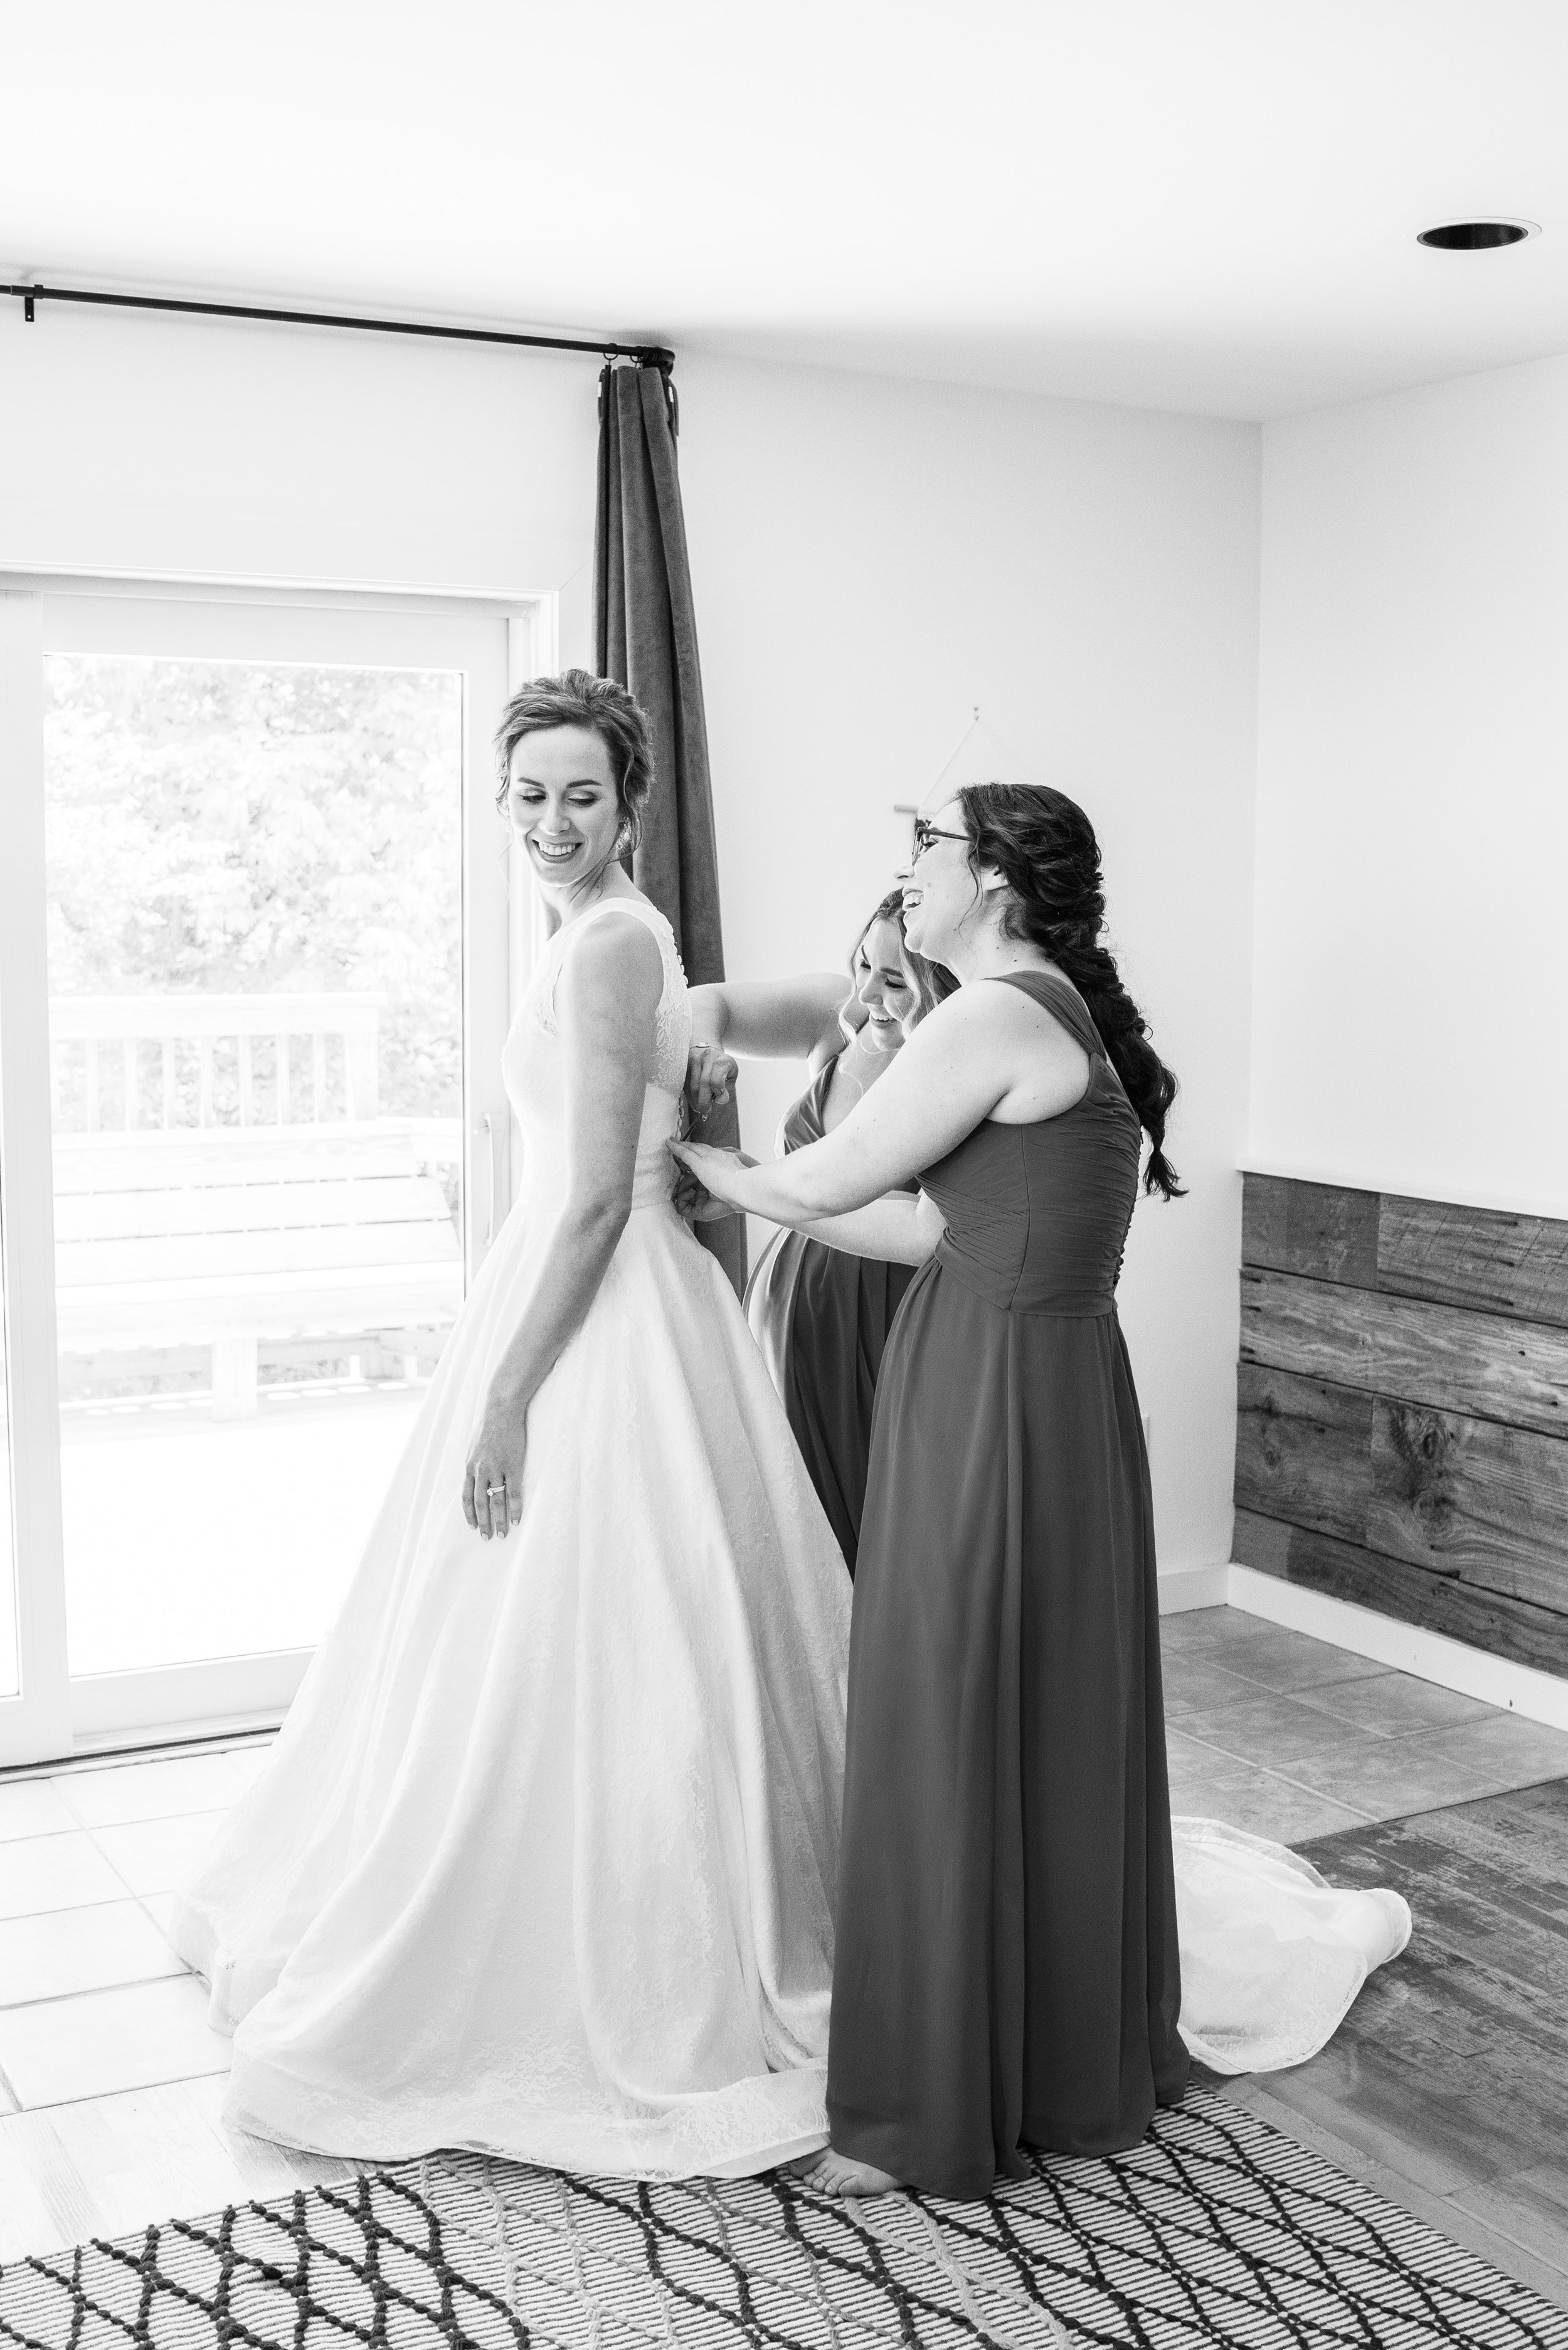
{"points": [[1449, 2075]]}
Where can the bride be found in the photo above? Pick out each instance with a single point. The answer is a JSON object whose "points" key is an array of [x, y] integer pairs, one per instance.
{"points": [[542, 1862]]}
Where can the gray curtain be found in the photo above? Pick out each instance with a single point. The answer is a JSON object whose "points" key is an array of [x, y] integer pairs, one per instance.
{"points": [[645, 635]]}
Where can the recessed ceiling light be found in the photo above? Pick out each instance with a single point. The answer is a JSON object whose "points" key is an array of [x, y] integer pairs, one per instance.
{"points": [[1478, 237]]}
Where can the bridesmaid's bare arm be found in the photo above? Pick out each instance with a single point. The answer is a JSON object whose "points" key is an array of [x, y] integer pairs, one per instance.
{"points": [[805, 1019], [771, 1019], [988, 1051], [901, 1228]]}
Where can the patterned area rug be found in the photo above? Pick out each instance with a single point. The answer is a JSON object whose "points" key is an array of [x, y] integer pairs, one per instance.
{"points": [[1216, 2230]]}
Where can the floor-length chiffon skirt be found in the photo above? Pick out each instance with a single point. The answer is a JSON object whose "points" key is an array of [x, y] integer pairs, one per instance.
{"points": [[822, 1317], [1007, 1956]]}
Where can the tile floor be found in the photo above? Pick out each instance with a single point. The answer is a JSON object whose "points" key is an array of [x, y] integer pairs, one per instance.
{"points": [[110, 2082], [1292, 1738]]}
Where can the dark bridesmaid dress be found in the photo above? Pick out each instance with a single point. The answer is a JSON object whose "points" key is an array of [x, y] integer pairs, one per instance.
{"points": [[1006, 1967], [821, 1318]]}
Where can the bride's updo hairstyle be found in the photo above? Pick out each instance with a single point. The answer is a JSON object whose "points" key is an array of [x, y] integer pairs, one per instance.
{"points": [[578, 698], [1043, 847]]}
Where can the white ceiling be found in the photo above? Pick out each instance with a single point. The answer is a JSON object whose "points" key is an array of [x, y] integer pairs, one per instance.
{"points": [[1202, 204]]}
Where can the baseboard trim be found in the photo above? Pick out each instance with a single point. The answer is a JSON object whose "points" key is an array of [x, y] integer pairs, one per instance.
{"points": [[1193, 1586], [1405, 1648]]}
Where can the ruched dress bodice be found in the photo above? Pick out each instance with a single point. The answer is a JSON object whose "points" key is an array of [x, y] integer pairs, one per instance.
{"points": [[1037, 1216]]}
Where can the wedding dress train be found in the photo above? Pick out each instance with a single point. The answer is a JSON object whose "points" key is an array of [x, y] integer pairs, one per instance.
{"points": [[1271, 1955], [542, 1862]]}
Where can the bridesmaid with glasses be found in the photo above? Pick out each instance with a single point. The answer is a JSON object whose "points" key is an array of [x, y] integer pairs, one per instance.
{"points": [[820, 1316], [1006, 1969]]}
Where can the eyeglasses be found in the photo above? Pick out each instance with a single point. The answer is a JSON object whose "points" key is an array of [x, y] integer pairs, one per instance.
{"points": [[925, 832]]}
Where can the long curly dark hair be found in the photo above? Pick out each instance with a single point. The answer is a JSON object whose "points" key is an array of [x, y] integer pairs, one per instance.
{"points": [[1043, 847]]}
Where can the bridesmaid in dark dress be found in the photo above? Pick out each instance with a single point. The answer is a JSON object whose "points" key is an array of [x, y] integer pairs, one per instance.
{"points": [[1006, 1970], [821, 1315]]}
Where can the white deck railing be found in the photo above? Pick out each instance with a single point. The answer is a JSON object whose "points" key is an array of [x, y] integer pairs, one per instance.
{"points": [[86, 1030], [222, 1178]]}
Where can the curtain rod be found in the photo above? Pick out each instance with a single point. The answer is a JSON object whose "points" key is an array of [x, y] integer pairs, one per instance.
{"points": [[645, 354]]}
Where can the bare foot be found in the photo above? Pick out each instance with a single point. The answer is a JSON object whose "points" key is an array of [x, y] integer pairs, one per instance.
{"points": [[836, 2174], [801, 2165]]}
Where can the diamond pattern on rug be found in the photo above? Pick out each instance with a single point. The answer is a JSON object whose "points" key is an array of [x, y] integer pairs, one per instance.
{"points": [[1216, 2230]]}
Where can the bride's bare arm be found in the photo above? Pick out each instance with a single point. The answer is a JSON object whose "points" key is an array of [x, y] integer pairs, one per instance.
{"points": [[606, 999]]}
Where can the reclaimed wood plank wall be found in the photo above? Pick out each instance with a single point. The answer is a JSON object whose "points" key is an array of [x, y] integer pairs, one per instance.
{"points": [[1402, 1436]]}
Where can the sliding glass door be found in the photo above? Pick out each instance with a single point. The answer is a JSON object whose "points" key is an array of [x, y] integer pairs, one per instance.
{"points": [[264, 1012], [10, 1662]]}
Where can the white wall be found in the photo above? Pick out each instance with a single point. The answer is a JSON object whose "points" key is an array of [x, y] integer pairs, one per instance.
{"points": [[870, 559], [159, 445], [1413, 794]]}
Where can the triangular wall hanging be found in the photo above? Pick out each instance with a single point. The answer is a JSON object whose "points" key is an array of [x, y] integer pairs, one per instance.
{"points": [[981, 757]]}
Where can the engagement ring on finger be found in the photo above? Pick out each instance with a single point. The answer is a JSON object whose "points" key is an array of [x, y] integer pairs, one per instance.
{"points": [[492, 1491]]}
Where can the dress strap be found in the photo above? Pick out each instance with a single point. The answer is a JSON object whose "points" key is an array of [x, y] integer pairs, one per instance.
{"points": [[555, 954], [805, 1121], [650, 916], [1057, 996]]}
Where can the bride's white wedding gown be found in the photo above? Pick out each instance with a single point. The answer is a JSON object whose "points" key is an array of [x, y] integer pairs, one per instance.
{"points": [[543, 1861]]}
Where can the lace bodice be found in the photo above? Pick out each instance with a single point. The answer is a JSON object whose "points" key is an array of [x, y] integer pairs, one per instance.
{"points": [[672, 1020], [530, 1064]]}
